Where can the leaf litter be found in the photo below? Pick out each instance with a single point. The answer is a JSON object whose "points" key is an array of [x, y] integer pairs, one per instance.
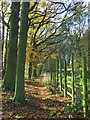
{"points": [[40, 103]]}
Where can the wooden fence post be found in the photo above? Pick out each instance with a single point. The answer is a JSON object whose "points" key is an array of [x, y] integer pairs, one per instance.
{"points": [[65, 78], [85, 91], [73, 93]]}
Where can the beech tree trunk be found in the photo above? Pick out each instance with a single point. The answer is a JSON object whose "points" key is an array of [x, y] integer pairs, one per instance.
{"points": [[30, 70], [85, 90], [3, 31], [19, 95], [60, 74], [89, 43], [57, 71], [88, 51], [5, 56], [65, 78], [51, 70], [73, 93], [35, 64], [9, 80]]}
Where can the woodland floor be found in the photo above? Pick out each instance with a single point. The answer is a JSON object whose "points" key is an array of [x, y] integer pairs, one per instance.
{"points": [[40, 104]]}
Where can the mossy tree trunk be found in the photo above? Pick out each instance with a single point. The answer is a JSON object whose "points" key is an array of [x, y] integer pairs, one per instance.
{"points": [[88, 49], [19, 95], [55, 82], [57, 71], [51, 70], [73, 93], [9, 80], [35, 62], [89, 44], [30, 67], [60, 66], [0, 52], [5, 56], [3, 31], [54, 72], [65, 79], [85, 90], [35, 70], [40, 70], [30, 70]]}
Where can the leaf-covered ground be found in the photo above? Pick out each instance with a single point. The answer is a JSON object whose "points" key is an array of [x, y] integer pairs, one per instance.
{"points": [[40, 103]]}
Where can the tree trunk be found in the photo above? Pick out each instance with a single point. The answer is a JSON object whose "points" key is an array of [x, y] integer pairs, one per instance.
{"points": [[30, 67], [60, 74], [54, 78], [9, 80], [89, 43], [65, 78], [35, 63], [51, 70], [5, 57], [57, 68], [40, 71], [19, 95], [73, 93], [2, 39], [0, 53], [30, 70], [88, 50], [35, 71], [85, 91]]}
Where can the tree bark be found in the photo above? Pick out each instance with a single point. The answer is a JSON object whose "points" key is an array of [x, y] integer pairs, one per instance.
{"points": [[35, 62], [65, 78], [73, 92], [5, 57], [3, 27], [89, 43], [9, 80], [51, 70], [85, 91], [88, 51], [60, 74], [19, 95], [30, 70], [57, 68], [35, 70]]}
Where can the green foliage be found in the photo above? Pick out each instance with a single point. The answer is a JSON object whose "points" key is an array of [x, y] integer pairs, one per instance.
{"points": [[74, 108], [53, 113]]}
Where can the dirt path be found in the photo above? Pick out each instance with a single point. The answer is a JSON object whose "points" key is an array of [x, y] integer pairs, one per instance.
{"points": [[40, 103]]}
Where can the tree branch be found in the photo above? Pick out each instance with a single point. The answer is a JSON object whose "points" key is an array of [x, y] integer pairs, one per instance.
{"points": [[33, 6]]}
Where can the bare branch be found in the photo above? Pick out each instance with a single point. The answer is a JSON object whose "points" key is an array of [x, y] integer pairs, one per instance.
{"points": [[33, 6]]}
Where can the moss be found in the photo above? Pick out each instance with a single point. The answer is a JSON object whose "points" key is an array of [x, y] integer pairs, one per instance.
{"points": [[19, 95], [9, 81]]}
